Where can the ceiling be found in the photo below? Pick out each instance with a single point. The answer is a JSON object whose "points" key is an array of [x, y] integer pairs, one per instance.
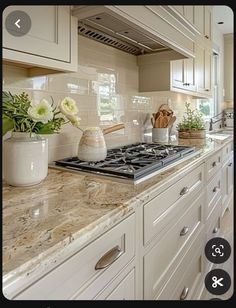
{"points": [[223, 13]]}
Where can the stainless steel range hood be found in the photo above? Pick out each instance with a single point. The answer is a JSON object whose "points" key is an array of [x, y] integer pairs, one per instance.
{"points": [[100, 24]]}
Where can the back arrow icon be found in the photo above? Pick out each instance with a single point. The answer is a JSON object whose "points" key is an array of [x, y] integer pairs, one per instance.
{"points": [[17, 23]]}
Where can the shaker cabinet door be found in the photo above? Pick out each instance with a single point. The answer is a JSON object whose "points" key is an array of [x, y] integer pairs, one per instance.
{"points": [[51, 41]]}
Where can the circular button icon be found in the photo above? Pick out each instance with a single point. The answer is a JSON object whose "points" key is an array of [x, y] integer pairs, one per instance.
{"points": [[18, 23], [217, 250], [217, 281]]}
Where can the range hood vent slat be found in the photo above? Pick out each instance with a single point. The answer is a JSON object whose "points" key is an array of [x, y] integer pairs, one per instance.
{"points": [[111, 31]]}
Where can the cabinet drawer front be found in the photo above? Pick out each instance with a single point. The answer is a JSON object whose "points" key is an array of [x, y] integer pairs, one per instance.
{"points": [[213, 222], [79, 271], [226, 151], [170, 204], [164, 253], [122, 290], [213, 192], [186, 276], [213, 164]]}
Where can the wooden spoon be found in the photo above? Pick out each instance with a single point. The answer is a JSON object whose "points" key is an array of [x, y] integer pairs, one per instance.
{"points": [[171, 122]]}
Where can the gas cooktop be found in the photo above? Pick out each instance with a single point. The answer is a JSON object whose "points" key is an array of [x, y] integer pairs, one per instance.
{"points": [[133, 161]]}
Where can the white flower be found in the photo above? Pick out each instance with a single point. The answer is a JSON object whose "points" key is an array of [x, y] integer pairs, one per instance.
{"points": [[68, 107], [41, 112], [74, 120]]}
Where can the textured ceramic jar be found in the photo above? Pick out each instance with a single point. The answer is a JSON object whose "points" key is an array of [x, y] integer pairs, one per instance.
{"points": [[25, 159], [92, 146]]}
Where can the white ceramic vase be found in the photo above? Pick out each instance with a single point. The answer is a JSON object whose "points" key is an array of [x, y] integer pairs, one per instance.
{"points": [[92, 146], [25, 159]]}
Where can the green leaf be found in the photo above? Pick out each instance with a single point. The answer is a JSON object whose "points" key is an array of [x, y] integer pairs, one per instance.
{"points": [[45, 129], [7, 124]]}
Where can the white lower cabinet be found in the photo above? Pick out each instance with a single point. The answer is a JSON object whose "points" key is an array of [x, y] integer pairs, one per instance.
{"points": [[123, 288], [90, 270], [161, 261], [184, 280], [227, 178]]}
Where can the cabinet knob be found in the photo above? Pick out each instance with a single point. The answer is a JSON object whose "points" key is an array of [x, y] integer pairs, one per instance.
{"points": [[109, 257], [230, 164], [206, 36], [184, 293], [184, 191], [184, 231], [185, 84], [207, 90], [215, 189], [215, 230]]}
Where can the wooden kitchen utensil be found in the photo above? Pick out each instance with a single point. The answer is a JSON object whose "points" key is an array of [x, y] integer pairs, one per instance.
{"points": [[171, 122], [113, 128], [165, 121]]}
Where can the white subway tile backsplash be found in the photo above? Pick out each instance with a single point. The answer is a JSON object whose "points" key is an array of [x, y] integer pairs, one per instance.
{"points": [[105, 88]]}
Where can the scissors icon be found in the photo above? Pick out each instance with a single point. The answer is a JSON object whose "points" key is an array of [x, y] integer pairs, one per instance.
{"points": [[216, 282]]}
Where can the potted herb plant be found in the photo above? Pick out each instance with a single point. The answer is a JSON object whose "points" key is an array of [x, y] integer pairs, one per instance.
{"points": [[192, 125]]}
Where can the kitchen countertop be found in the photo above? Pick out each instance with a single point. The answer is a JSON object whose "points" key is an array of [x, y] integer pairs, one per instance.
{"points": [[45, 224]]}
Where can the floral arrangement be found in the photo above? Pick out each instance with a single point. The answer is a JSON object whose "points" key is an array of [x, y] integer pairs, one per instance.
{"points": [[19, 114], [192, 121]]}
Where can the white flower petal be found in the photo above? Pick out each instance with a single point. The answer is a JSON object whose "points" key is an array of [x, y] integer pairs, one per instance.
{"points": [[75, 120], [41, 112], [68, 107]]}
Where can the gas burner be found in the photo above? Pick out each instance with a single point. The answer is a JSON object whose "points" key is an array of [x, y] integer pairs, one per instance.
{"points": [[132, 161]]}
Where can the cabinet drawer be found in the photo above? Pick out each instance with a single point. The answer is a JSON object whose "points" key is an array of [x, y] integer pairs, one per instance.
{"points": [[183, 282], [171, 204], [226, 151], [123, 288], [75, 274], [213, 222], [213, 192], [213, 164], [161, 257]]}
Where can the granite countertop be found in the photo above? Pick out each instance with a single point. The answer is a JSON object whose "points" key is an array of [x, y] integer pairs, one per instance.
{"points": [[46, 223]]}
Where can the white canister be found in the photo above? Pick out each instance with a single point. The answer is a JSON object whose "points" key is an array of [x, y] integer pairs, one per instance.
{"points": [[25, 159], [160, 135]]}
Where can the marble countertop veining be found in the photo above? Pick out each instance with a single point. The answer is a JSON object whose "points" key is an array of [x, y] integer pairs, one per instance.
{"points": [[46, 223]]}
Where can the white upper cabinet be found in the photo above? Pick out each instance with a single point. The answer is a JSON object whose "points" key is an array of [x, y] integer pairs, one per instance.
{"points": [[203, 67], [199, 18], [229, 67], [183, 74], [208, 23], [51, 41]]}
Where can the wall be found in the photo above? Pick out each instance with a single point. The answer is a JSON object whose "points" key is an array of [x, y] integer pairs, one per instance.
{"points": [[106, 91]]}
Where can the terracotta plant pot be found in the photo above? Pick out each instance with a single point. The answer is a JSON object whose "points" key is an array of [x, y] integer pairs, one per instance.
{"points": [[193, 134]]}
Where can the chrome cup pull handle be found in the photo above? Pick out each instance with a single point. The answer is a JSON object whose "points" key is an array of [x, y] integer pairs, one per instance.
{"points": [[184, 293], [109, 257], [184, 231], [184, 191]]}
